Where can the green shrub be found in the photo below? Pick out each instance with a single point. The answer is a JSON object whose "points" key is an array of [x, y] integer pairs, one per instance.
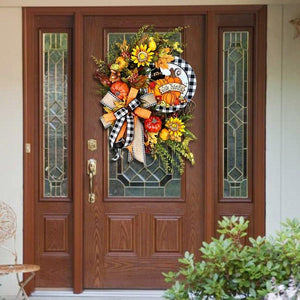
{"points": [[228, 268]]}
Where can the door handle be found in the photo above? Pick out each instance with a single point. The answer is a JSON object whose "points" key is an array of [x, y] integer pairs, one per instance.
{"points": [[91, 171]]}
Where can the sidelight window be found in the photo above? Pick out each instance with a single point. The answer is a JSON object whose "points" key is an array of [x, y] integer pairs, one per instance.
{"points": [[55, 114], [235, 113]]}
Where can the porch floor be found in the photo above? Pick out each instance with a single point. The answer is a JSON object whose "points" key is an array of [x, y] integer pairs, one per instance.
{"points": [[98, 294]]}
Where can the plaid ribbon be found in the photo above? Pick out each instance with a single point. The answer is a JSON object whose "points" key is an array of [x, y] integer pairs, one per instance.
{"points": [[171, 109], [127, 119], [190, 74], [123, 114]]}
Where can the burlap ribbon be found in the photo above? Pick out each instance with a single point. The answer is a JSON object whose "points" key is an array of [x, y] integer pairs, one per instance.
{"points": [[128, 131]]}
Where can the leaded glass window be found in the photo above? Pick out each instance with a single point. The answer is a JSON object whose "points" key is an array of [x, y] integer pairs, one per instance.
{"points": [[133, 179], [55, 114], [235, 113]]}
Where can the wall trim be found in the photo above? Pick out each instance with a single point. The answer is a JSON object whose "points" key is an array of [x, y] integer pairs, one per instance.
{"points": [[100, 294]]}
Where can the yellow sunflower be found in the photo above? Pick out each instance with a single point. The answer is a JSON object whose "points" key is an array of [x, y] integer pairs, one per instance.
{"points": [[176, 128], [141, 55]]}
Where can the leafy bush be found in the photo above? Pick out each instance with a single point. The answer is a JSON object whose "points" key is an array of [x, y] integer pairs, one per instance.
{"points": [[228, 268]]}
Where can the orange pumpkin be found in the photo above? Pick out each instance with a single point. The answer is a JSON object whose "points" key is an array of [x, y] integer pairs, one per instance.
{"points": [[170, 97], [120, 89], [173, 77], [160, 82]]}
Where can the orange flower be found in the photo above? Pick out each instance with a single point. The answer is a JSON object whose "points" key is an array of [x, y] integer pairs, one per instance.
{"points": [[164, 58], [163, 61], [121, 62]]}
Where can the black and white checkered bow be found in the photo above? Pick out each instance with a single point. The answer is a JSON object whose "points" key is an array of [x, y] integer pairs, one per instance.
{"points": [[124, 114]]}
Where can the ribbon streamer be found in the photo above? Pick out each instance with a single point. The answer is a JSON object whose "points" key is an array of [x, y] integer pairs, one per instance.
{"points": [[123, 115]]}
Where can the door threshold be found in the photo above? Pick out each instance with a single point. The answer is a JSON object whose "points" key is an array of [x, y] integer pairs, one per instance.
{"points": [[110, 294]]}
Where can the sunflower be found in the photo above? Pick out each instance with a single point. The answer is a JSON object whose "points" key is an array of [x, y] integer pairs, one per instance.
{"points": [[175, 127], [141, 55]]}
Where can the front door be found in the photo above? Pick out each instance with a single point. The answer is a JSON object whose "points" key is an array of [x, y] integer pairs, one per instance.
{"points": [[143, 219]]}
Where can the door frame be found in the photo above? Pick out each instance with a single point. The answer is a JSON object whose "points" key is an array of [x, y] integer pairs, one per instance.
{"points": [[213, 207]]}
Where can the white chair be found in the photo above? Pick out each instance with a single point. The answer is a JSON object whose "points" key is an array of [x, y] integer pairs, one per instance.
{"points": [[8, 227]]}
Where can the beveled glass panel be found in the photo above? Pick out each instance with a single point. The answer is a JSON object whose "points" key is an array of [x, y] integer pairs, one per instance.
{"points": [[235, 113], [133, 179], [55, 114]]}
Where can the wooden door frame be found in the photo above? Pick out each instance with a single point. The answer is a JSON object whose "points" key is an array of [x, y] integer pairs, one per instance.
{"points": [[213, 209]]}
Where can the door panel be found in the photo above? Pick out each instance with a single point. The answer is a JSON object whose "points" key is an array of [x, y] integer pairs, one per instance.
{"points": [[130, 240]]}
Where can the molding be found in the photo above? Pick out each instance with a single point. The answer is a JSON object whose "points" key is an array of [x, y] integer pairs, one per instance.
{"points": [[140, 10], [99, 294], [78, 3]]}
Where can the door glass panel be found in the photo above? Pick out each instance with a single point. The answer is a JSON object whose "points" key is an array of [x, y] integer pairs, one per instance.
{"points": [[235, 113], [133, 179], [55, 114]]}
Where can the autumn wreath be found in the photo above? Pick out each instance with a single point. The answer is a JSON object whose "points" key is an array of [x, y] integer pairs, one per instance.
{"points": [[147, 92]]}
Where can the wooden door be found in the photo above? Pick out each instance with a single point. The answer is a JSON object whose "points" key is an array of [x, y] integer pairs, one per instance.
{"points": [[127, 241], [143, 219]]}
